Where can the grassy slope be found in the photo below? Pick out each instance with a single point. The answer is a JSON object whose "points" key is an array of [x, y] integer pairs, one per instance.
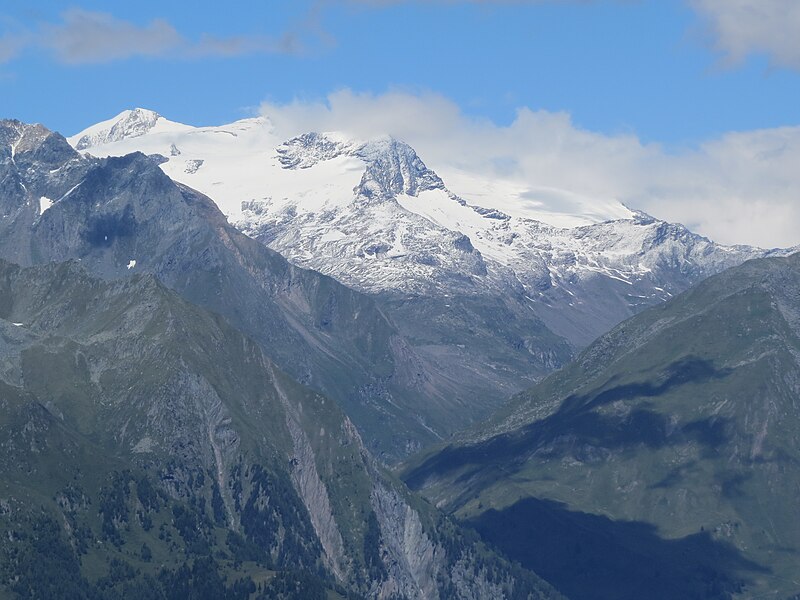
{"points": [[683, 418], [131, 419]]}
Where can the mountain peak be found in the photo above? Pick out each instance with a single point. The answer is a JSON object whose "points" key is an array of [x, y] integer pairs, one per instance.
{"points": [[12, 132], [393, 167], [139, 113], [24, 143], [129, 123]]}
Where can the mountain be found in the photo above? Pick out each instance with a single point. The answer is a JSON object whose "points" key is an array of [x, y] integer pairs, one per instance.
{"points": [[372, 215], [662, 463], [124, 215], [150, 450], [128, 124], [488, 294]]}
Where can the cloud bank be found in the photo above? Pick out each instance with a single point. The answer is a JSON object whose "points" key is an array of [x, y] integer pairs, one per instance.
{"points": [[86, 37], [742, 27], [739, 188]]}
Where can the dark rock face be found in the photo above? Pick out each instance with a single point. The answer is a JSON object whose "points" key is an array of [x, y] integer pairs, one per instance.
{"points": [[393, 167], [36, 163]]}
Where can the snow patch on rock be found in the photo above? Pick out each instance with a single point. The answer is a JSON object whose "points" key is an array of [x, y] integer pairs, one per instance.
{"points": [[44, 204]]}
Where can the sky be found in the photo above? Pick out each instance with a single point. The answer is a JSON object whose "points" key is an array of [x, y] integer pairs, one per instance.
{"points": [[687, 109]]}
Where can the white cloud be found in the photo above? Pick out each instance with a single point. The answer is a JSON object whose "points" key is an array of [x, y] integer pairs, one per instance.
{"points": [[740, 188], [83, 37], [10, 46], [742, 27]]}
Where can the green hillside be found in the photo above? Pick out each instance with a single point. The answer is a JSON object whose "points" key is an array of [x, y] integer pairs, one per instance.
{"points": [[150, 450], [663, 463]]}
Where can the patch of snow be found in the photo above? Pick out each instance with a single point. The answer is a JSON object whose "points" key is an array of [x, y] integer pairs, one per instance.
{"points": [[72, 189], [334, 235], [44, 204], [559, 208], [144, 445], [131, 264]]}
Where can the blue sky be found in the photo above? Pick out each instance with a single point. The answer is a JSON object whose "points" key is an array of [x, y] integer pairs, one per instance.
{"points": [[687, 109], [647, 67]]}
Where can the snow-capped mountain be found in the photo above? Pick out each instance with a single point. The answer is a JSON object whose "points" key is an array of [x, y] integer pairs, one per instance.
{"points": [[142, 345], [128, 124], [374, 216]]}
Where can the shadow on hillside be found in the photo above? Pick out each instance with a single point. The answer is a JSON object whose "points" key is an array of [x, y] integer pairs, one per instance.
{"points": [[590, 557], [579, 430]]}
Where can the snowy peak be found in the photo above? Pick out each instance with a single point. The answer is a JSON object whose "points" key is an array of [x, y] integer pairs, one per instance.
{"points": [[128, 124], [392, 166], [246, 164], [393, 169]]}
